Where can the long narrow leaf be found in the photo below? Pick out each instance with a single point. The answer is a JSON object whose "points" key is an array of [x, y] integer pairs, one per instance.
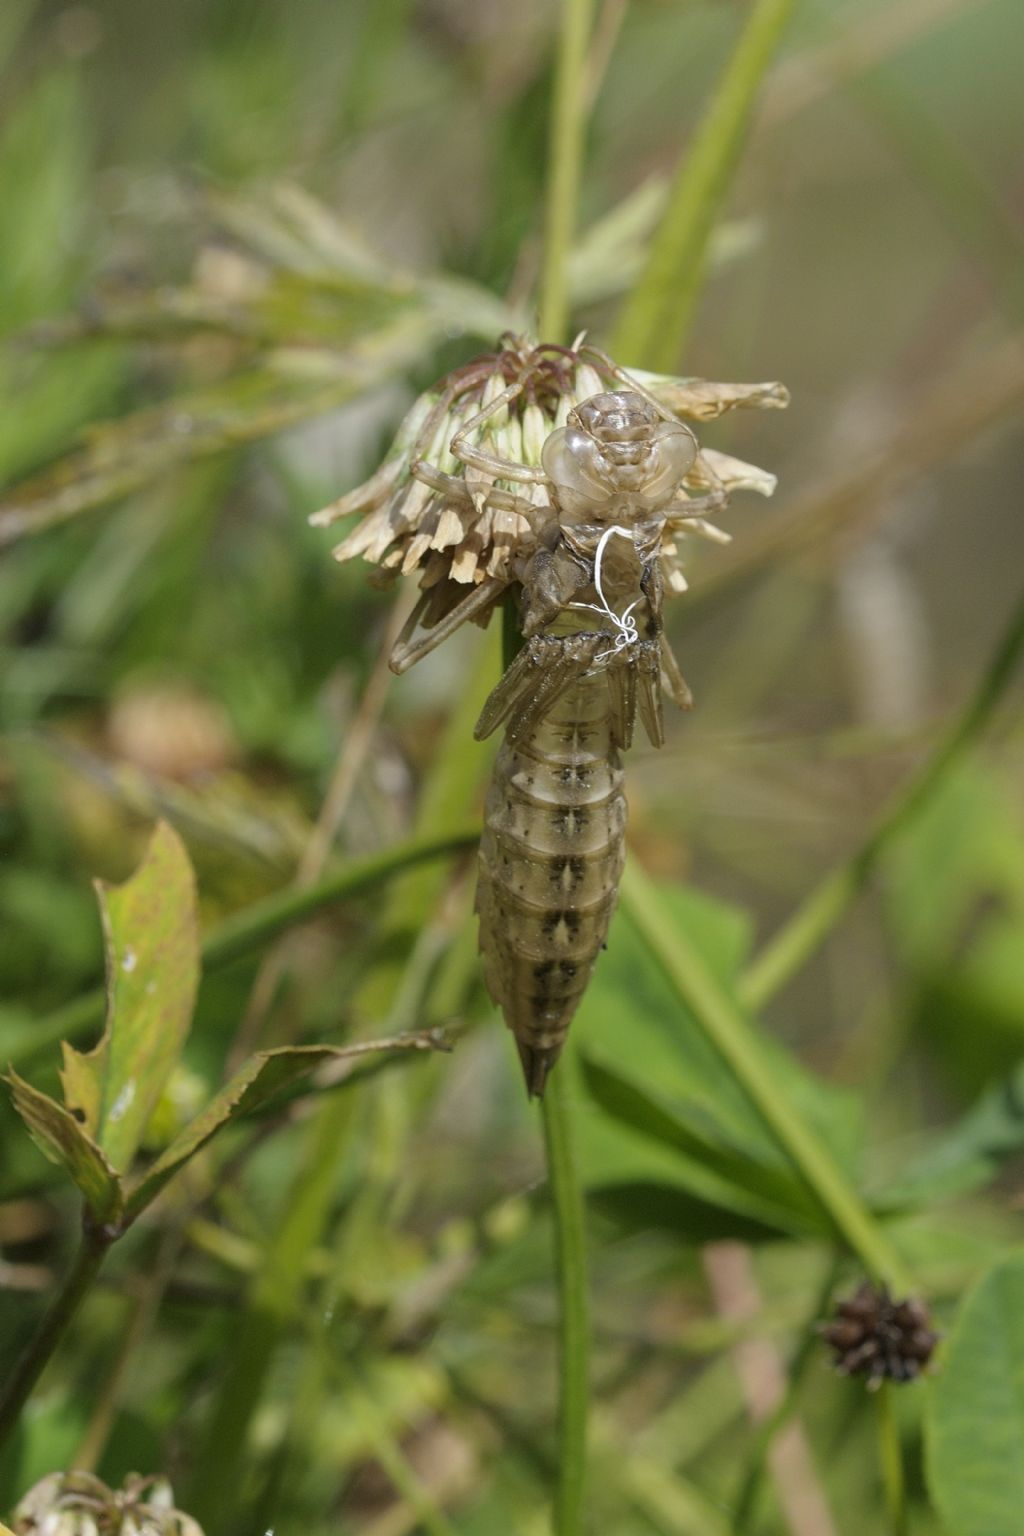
{"points": [[656, 317]]}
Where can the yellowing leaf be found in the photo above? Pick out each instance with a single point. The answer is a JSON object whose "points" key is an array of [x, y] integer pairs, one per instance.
{"points": [[65, 1140], [152, 948]]}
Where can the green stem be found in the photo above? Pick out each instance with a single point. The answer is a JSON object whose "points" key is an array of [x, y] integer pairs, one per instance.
{"points": [[891, 1456], [568, 118], [657, 315], [738, 1044], [785, 954], [574, 1345], [245, 932], [91, 1253], [248, 929]]}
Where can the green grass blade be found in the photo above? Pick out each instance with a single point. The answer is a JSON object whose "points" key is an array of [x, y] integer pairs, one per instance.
{"points": [[737, 1042], [574, 1336], [568, 116], [657, 315]]}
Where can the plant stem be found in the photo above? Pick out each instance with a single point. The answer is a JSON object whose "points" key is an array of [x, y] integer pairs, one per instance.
{"points": [[657, 315], [91, 1253], [569, 111], [891, 1456], [574, 1345], [738, 1044], [789, 950], [246, 930], [568, 117], [351, 756]]}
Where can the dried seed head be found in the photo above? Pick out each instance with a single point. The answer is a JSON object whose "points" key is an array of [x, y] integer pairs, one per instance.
{"points": [[78, 1504], [459, 522], [885, 1340]]}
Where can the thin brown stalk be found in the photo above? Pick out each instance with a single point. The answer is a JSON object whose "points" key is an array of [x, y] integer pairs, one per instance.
{"points": [[347, 768], [142, 1314]]}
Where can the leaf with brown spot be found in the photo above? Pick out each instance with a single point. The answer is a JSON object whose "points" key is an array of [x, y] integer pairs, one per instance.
{"points": [[63, 1139]]}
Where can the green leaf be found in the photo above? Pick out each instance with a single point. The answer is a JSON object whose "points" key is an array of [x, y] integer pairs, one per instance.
{"points": [[152, 946], [667, 1111], [63, 1139], [971, 1153], [682, 1145], [963, 846], [656, 316], [17, 1027], [262, 1076], [975, 1422]]}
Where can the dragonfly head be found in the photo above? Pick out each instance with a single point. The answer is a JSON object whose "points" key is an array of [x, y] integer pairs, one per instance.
{"points": [[617, 458]]}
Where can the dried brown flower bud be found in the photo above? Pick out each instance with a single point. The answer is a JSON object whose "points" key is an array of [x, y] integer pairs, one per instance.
{"points": [[885, 1340], [78, 1504]]}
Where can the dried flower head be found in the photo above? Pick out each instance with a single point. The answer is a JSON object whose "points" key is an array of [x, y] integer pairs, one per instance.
{"points": [[460, 524], [78, 1504], [885, 1340]]}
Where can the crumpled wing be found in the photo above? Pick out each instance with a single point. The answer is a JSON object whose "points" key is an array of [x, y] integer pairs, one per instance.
{"points": [[545, 667]]}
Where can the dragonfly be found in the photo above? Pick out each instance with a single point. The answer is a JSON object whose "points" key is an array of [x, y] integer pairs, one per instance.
{"points": [[552, 478]]}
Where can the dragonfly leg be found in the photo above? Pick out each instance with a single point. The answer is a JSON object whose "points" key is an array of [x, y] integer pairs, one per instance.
{"points": [[550, 582], [491, 464], [542, 671], [408, 651], [672, 679]]}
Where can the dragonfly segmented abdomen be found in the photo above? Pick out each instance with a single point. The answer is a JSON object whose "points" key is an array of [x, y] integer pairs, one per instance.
{"points": [[550, 862]]}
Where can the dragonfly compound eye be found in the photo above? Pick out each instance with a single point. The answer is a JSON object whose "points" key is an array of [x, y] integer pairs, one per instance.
{"points": [[574, 463]]}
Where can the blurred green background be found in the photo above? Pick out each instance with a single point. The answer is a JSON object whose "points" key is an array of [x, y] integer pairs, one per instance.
{"points": [[235, 240]]}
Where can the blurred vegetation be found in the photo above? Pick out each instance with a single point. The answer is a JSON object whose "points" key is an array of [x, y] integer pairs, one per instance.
{"points": [[237, 239]]}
